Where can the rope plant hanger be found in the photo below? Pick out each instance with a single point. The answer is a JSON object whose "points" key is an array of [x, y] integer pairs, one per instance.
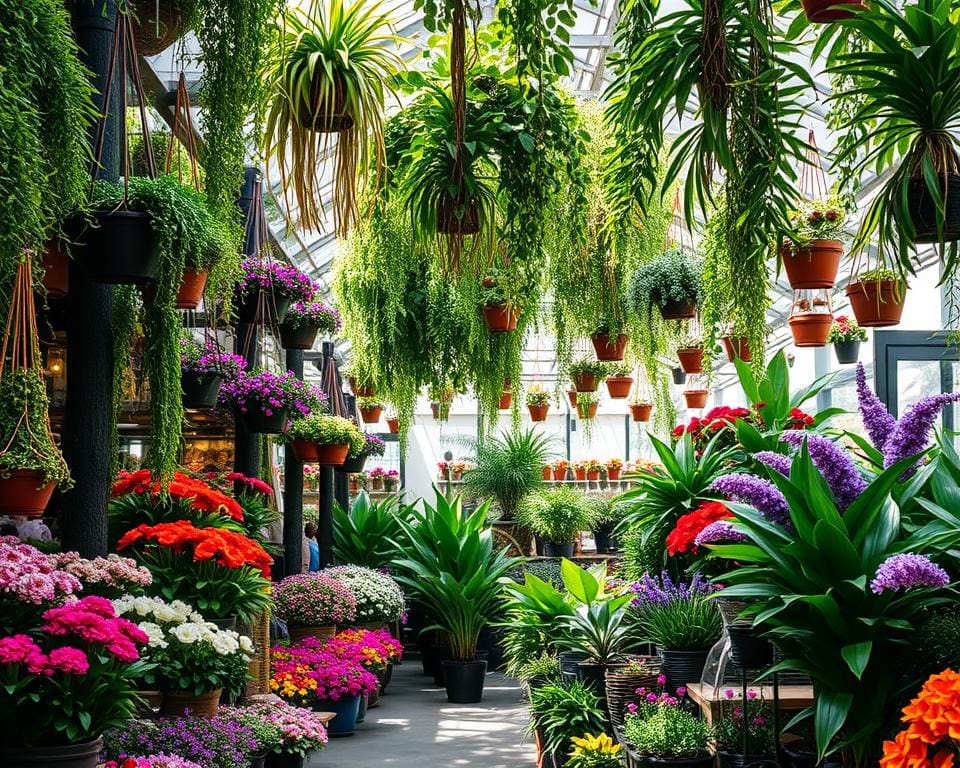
{"points": [[30, 462]]}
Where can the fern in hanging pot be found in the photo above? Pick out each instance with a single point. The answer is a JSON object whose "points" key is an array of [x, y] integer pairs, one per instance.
{"points": [[328, 72]]}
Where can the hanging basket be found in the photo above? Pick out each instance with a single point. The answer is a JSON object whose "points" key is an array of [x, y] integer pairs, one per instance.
{"points": [[538, 412], [56, 270], [441, 411], [371, 413], [270, 309], [691, 359], [393, 425], [641, 411], [155, 32], [24, 494], [572, 397], [119, 248], [309, 115], [678, 310], [810, 329], [449, 224], [696, 398], [585, 382], [587, 411], [191, 288], [298, 338], [923, 212], [501, 318], [813, 265], [847, 352], [310, 452], [506, 400], [619, 386], [737, 347], [200, 390], [367, 390], [259, 422], [353, 465], [609, 349], [877, 303]]}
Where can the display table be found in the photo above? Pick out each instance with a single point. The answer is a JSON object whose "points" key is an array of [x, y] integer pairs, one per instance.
{"points": [[791, 697]]}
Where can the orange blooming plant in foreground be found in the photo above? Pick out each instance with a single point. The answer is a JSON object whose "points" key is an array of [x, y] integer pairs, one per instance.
{"points": [[932, 736], [196, 493]]}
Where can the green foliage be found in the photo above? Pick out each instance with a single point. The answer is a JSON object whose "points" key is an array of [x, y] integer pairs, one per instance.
{"points": [[325, 430], [673, 277], [366, 535], [937, 644], [542, 670], [565, 711], [451, 566], [558, 514], [602, 630], [507, 468], [758, 716], [670, 732], [692, 624]]}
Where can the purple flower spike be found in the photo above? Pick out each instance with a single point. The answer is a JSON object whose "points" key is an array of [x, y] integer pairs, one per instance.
{"points": [[876, 418], [719, 532], [776, 461], [834, 464], [757, 492], [906, 571], [911, 433]]}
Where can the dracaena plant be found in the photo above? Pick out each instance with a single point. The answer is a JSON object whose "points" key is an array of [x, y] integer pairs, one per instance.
{"points": [[329, 70], [365, 534], [840, 591]]}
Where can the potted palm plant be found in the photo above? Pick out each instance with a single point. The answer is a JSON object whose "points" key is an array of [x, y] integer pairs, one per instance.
{"points": [[328, 72], [846, 337], [323, 439], [671, 283], [877, 298], [556, 517], [508, 468], [618, 380], [912, 123], [811, 254]]}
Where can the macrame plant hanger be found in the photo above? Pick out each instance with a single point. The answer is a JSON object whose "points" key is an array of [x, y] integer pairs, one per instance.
{"points": [[812, 181]]}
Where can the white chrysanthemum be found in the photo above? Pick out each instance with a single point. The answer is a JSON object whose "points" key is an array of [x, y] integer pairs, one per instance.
{"points": [[246, 645], [224, 644], [155, 633], [188, 633], [145, 606]]}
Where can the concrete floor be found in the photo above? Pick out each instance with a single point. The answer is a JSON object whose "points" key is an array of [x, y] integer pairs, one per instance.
{"points": [[415, 727]]}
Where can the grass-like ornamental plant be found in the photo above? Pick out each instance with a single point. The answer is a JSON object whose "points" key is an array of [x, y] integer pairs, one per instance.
{"points": [[326, 430], [508, 467], [557, 515], [329, 70], [676, 616], [565, 711], [366, 534]]}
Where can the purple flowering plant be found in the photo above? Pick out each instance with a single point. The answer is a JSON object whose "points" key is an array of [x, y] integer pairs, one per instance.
{"points": [[676, 615], [317, 314], [372, 446], [908, 571], [759, 493], [282, 279], [272, 392], [281, 728], [213, 742], [207, 359]]}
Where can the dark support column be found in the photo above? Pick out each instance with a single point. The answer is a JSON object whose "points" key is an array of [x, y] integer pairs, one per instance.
{"points": [[341, 480], [89, 402], [293, 491], [325, 523]]}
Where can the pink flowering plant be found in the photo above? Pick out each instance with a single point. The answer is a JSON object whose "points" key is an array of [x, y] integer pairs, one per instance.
{"points": [[152, 761], [314, 600], [315, 314], [819, 219], [70, 678], [272, 392], [281, 728], [110, 576], [30, 582], [335, 671], [753, 715], [211, 742], [283, 279], [845, 329]]}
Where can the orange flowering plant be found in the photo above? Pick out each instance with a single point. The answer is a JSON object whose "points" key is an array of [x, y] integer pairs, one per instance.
{"points": [[932, 736], [223, 573]]}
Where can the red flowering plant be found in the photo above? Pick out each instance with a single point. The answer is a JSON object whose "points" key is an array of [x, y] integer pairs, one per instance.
{"points": [[720, 420], [223, 573], [682, 539], [71, 677], [255, 498]]}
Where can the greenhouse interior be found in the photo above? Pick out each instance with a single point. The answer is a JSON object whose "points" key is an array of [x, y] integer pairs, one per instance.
{"points": [[475, 383]]}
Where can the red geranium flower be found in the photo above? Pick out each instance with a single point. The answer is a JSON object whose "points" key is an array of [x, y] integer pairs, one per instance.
{"points": [[680, 539]]}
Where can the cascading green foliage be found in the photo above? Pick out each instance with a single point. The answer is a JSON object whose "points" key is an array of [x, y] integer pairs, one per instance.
{"points": [[126, 314], [715, 303]]}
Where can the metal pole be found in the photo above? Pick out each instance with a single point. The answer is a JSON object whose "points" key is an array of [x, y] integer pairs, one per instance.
{"points": [[293, 491], [326, 486]]}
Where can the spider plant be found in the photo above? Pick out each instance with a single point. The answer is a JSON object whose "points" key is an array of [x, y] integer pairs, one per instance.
{"points": [[907, 80], [508, 468], [328, 71]]}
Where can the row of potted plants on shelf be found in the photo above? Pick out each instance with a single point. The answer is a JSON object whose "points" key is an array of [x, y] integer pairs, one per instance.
{"points": [[586, 469]]}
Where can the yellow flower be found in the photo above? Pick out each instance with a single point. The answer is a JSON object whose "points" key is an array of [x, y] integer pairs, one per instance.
{"points": [[588, 743]]}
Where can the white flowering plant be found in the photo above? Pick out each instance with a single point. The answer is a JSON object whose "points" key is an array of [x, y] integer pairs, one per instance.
{"points": [[186, 652], [379, 598]]}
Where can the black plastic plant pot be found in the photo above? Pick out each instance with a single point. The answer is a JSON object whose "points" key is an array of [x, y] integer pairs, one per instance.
{"points": [[568, 664], [684, 762], [594, 676], [200, 390], [284, 761], [747, 648], [271, 309], [735, 760], [538, 543], [464, 680], [679, 377], [260, 423], [923, 212], [682, 667], [847, 352], [352, 466], [119, 249], [298, 338], [602, 538], [801, 758], [552, 549]]}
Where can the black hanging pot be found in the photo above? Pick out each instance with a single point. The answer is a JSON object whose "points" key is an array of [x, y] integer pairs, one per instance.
{"points": [[747, 648], [119, 248], [352, 465], [258, 761], [602, 537], [552, 549], [847, 352], [298, 338], [569, 661], [83, 755], [200, 390], [248, 306], [261, 423], [594, 676], [679, 376], [464, 680], [538, 543], [682, 667], [923, 212]]}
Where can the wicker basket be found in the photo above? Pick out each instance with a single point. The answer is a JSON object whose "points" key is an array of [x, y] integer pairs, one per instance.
{"points": [[259, 632], [155, 32], [622, 686]]}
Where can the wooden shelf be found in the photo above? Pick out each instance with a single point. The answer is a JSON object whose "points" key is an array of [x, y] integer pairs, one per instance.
{"points": [[791, 697]]}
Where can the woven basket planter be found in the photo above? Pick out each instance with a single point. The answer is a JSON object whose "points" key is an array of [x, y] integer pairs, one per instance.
{"points": [[622, 686]]}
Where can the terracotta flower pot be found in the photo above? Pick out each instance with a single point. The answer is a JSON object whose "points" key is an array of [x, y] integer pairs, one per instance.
{"points": [[691, 359], [593, 474], [506, 400], [547, 472], [810, 329], [585, 382], [823, 11], [641, 411], [56, 270], [310, 452], [393, 425], [814, 265], [370, 413], [191, 288], [538, 412], [501, 318], [587, 411], [736, 346], [609, 349], [613, 474], [580, 474], [619, 386], [877, 303], [175, 703], [559, 474], [696, 398], [572, 397], [441, 411], [23, 493], [361, 391], [678, 310]]}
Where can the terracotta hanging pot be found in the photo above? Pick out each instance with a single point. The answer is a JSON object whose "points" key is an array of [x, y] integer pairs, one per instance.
{"points": [[23, 493], [361, 391], [191, 288], [56, 270], [506, 400], [691, 359], [538, 412], [696, 398], [619, 386], [572, 397], [810, 329], [609, 349], [877, 303], [813, 265], [923, 212], [371, 413], [587, 411], [393, 425], [585, 382], [310, 452], [501, 318], [678, 310], [441, 411], [823, 11], [641, 411], [736, 347]]}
